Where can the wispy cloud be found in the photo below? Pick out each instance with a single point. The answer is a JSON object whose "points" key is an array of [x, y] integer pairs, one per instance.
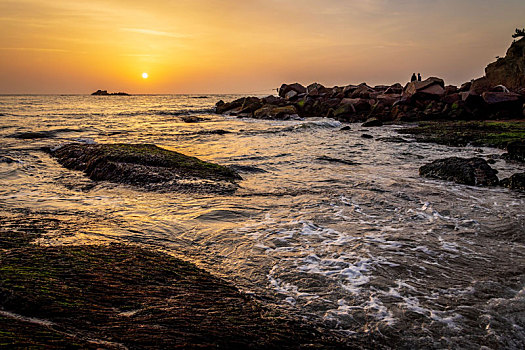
{"points": [[40, 49], [155, 32]]}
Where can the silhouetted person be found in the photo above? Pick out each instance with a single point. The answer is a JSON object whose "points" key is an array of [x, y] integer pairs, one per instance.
{"points": [[414, 78], [418, 77]]}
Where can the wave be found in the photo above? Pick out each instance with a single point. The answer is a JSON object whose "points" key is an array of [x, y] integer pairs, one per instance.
{"points": [[176, 112]]}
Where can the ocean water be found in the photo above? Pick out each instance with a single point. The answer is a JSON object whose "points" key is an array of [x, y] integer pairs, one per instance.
{"points": [[326, 225]]}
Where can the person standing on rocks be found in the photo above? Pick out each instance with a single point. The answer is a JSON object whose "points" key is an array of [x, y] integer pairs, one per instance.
{"points": [[418, 76], [413, 77]]}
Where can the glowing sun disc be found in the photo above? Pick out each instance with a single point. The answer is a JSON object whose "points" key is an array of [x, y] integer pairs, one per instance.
{"points": [[145, 75]]}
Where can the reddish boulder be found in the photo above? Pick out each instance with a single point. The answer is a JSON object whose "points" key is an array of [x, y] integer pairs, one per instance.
{"points": [[362, 91], [499, 98], [431, 88], [285, 88], [394, 89]]}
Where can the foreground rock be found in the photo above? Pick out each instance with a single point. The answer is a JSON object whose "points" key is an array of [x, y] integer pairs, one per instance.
{"points": [[118, 296], [515, 182], [516, 150], [472, 171], [146, 166]]}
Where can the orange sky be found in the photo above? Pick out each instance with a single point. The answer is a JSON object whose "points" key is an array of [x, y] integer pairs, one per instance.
{"points": [[226, 46]]}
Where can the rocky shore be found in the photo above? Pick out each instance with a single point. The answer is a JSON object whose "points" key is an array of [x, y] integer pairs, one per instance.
{"points": [[108, 296], [500, 94], [489, 111]]}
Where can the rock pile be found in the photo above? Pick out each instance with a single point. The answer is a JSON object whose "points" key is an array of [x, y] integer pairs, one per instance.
{"points": [[501, 94]]}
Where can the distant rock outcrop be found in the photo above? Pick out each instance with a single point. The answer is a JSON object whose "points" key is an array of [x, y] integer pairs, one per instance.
{"points": [[106, 93]]}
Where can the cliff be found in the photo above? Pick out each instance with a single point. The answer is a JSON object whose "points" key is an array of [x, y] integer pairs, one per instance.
{"points": [[509, 70]]}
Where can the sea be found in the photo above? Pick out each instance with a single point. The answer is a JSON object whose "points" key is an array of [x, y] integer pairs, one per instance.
{"points": [[327, 225]]}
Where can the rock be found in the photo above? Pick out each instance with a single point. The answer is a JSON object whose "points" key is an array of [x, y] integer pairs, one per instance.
{"points": [[290, 95], [480, 85], [388, 99], [472, 171], [503, 104], [191, 119], [362, 91], [285, 88], [241, 105], [452, 98], [499, 88], [348, 90], [214, 132], [358, 104], [274, 100], [315, 89], [515, 182], [344, 112], [493, 98], [146, 166], [465, 86], [509, 70], [274, 112], [394, 89], [516, 151], [345, 128], [106, 93], [451, 89], [372, 122], [431, 88]]}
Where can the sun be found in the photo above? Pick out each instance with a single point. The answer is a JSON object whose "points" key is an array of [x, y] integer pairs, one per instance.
{"points": [[145, 75]]}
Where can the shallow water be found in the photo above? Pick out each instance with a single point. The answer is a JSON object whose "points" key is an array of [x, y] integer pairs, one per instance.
{"points": [[363, 243]]}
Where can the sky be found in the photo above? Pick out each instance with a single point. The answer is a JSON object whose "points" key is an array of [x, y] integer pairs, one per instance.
{"points": [[245, 46]]}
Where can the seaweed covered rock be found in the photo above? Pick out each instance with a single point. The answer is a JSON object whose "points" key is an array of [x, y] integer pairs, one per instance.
{"points": [[146, 166], [516, 151], [471, 171], [120, 297], [276, 112], [244, 105], [515, 182]]}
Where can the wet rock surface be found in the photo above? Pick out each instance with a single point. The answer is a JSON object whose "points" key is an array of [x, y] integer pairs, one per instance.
{"points": [[515, 182], [499, 134], [146, 166], [516, 150], [120, 296], [471, 171]]}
